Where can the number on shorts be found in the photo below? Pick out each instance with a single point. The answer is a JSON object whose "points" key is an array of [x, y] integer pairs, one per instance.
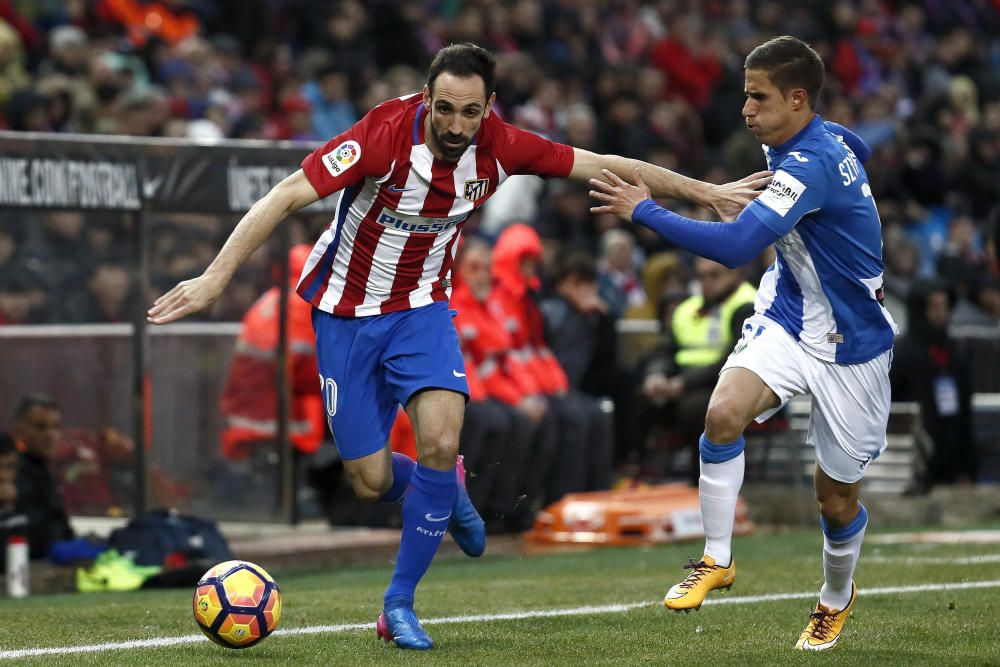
{"points": [[329, 388]]}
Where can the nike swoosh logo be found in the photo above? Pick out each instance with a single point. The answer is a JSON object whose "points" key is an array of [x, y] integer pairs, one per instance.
{"points": [[430, 517], [150, 187], [457, 374], [393, 188]]}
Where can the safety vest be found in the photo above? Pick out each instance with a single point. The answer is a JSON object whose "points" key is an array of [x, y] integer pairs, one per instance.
{"points": [[703, 339]]}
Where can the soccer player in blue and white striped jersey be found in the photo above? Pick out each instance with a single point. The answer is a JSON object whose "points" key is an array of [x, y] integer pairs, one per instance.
{"points": [[819, 325]]}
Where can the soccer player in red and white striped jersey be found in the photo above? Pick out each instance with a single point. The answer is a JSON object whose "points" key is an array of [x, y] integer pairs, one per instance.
{"points": [[411, 172]]}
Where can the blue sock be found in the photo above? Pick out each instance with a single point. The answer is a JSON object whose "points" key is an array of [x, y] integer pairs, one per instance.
{"points": [[402, 470], [426, 510]]}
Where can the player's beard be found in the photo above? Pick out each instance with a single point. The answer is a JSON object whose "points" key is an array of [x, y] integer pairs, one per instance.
{"points": [[449, 152]]}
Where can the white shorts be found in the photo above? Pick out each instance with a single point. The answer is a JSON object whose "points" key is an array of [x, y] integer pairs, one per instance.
{"points": [[850, 407]]}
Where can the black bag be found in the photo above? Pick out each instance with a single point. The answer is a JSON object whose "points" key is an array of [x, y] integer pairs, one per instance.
{"points": [[149, 539]]}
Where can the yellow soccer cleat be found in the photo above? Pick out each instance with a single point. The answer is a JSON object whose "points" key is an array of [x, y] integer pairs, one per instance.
{"points": [[706, 576], [825, 626]]}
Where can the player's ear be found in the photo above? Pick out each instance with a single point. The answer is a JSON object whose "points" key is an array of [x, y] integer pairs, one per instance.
{"points": [[800, 99], [489, 104], [427, 96]]}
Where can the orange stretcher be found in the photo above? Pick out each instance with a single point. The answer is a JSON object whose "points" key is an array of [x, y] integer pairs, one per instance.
{"points": [[658, 514]]}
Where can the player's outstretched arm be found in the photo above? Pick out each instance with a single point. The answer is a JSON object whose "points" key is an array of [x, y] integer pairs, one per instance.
{"points": [[191, 296], [730, 243], [727, 199]]}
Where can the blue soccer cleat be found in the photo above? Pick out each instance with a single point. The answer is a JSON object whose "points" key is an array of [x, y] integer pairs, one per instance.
{"points": [[466, 526], [398, 623]]}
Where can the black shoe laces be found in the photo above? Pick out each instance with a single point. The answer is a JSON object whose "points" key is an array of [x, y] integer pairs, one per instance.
{"points": [[699, 570], [820, 623]]}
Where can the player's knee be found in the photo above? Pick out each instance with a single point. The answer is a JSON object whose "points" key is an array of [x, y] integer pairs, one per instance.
{"points": [[837, 509], [438, 451], [724, 421]]}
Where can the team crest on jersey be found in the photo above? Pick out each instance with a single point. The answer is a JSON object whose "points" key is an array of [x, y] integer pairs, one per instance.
{"points": [[476, 189], [342, 158]]}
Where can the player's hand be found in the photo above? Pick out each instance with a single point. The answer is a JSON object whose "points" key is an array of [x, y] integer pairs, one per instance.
{"points": [[617, 196], [186, 297], [731, 198]]}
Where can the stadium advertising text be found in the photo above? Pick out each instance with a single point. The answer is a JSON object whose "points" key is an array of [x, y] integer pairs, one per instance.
{"points": [[59, 183], [246, 183]]}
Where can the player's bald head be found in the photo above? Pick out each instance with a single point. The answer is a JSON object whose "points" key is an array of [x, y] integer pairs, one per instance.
{"points": [[463, 61], [789, 63]]}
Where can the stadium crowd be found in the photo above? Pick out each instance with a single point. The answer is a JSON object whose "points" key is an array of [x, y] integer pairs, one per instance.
{"points": [[661, 81]]}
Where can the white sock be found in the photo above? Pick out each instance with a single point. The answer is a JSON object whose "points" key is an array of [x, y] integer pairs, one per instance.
{"points": [[839, 561], [718, 489]]}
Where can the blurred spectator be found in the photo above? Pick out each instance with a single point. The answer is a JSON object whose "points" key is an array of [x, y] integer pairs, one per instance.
{"points": [[38, 429], [581, 331], [982, 306], [249, 400], [678, 377], [13, 76], [95, 470], [585, 449], [509, 438], [332, 111], [67, 52], [54, 252], [576, 317], [930, 368], [106, 297], [978, 175], [663, 276], [962, 259], [618, 280]]}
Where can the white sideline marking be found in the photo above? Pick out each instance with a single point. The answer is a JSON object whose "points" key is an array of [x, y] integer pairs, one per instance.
{"points": [[938, 537], [982, 559], [515, 615]]}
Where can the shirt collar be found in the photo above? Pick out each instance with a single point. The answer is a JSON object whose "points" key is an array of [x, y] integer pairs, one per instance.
{"points": [[817, 121]]}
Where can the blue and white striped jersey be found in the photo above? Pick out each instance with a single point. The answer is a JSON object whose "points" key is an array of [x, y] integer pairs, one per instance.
{"points": [[825, 287]]}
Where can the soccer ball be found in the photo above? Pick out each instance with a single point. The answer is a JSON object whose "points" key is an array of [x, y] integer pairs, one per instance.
{"points": [[237, 604]]}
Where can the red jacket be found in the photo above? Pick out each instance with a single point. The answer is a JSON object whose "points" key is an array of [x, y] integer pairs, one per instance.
{"points": [[486, 346], [511, 302], [249, 399]]}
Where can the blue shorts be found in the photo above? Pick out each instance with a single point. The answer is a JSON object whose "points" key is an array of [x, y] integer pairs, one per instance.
{"points": [[369, 366]]}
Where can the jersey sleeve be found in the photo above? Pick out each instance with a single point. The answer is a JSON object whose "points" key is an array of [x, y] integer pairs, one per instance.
{"points": [[361, 151], [523, 152], [797, 188]]}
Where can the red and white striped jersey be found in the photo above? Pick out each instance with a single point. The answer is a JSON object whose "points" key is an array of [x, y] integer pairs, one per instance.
{"points": [[395, 235]]}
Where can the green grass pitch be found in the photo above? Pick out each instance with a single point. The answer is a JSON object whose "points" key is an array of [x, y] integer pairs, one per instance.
{"points": [[929, 627]]}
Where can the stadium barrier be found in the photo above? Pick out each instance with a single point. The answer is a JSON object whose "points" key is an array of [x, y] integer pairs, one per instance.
{"points": [[161, 391]]}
